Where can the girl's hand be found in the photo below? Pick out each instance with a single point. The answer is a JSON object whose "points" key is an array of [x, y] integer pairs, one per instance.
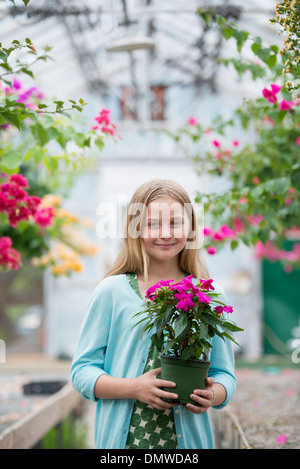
{"points": [[204, 397], [148, 390]]}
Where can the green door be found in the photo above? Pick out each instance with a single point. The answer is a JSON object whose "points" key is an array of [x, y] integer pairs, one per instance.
{"points": [[281, 294]]}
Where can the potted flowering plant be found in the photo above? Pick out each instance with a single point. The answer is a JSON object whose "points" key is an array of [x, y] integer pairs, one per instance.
{"points": [[184, 318]]}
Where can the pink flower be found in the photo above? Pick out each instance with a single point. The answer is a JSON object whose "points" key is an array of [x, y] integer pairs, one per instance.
{"points": [[227, 232], [270, 95], [236, 143], [285, 105], [211, 250], [216, 143], [255, 180], [185, 301], [238, 225], [9, 257], [17, 84], [298, 141], [207, 284], [221, 309], [207, 231], [243, 200], [19, 179], [217, 236], [165, 283], [202, 297], [281, 439], [44, 216], [192, 121], [152, 290]]}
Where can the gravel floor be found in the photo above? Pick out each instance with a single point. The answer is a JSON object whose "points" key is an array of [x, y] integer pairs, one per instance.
{"points": [[267, 404]]}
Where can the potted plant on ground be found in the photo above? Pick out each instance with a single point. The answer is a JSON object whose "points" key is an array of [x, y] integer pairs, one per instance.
{"points": [[184, 318]]}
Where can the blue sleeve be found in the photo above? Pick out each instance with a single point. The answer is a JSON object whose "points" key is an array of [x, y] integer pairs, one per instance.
{"points": [[223, 363], [89, 356], [222, 367]]}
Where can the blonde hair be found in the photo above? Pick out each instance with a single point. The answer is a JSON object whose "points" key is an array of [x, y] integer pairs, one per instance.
{"points": [[133, 256]]}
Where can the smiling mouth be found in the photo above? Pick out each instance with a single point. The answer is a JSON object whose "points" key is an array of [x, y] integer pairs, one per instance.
{"points": [[173, 244]]}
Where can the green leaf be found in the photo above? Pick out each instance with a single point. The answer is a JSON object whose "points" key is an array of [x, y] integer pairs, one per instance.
{"points": [[180, 324], [255, 47], [271, 62], [295, 178], [227, 32], [12, 119], [12, 160], [203, 330], [26, 2], [187, 352], [3, 56]]}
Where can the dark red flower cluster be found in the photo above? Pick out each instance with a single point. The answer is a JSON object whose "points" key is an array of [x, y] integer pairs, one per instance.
{"points": [[18, 205]]}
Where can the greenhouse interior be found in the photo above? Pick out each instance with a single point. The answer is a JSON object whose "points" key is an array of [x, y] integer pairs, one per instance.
{"points": [[98, 99]]}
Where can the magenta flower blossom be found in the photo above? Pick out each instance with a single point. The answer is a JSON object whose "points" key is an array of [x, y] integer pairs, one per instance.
{"points": [[192, 121], [221, 309], [202, 297], [270, 95], [9, 257], [185, 301], [281, 439], [211, 250], [286, 105], [207, 284], [298, 141], [208, 231], [216, 143]]}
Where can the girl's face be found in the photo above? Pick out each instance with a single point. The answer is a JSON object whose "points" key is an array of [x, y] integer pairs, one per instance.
{"points": [[166, 228]]}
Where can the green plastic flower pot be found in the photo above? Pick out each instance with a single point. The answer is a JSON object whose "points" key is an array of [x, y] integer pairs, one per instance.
{"points": [[187, 374]]}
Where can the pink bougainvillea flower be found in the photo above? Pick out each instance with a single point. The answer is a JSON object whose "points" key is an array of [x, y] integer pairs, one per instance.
{"points": [[207, 231], [238, 225], [298, 141], [270, 95], [211, 250], [217, 236], [192, 121], [227, 232], [286, 105], [281, 439], [243, 200], [216, 143], [236, 143], [16, 84]]}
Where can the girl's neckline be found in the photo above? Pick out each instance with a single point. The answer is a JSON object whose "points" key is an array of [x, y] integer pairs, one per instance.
{"points": [[132, 279], [132, 284]]}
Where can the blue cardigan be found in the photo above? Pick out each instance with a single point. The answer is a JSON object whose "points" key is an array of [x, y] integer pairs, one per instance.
{"points": [[108, 344]]}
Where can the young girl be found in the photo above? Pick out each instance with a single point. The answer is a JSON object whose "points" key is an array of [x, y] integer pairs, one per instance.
{"points": [[117, 368]]}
